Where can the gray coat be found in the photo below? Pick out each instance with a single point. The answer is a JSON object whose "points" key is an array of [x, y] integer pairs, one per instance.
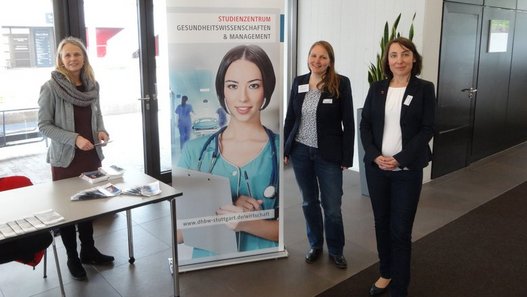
{"points": [[55, 121]]}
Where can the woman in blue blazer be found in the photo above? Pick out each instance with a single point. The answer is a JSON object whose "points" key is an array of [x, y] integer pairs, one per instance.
{"points": [[319, 134], [397, 124]]}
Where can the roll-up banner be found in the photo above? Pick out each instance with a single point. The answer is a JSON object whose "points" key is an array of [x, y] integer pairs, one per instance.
{"points": [[226, 77]]}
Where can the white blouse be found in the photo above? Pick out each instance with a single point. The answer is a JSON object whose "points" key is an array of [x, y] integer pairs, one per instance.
{"points": [[392, 141]]}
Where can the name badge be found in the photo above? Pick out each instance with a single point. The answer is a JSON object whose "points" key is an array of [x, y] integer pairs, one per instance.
{"points": [[303, 88], [408, 100], [327, 101]]}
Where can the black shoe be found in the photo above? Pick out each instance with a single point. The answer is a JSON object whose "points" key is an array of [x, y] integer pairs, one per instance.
{"points": [[339, 261], [313, 255], [76, 269], [94, 257], [374, 290]]}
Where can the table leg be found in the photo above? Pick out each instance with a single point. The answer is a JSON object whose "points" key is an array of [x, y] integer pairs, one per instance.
{"points": [[131, 260], [175, 266], [57, 264], [45, 263]]}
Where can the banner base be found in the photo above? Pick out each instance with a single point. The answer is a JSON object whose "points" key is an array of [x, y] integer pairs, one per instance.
{"points": [[232, 261]]}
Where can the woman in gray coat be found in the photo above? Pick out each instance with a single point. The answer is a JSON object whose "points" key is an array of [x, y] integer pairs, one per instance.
{"points": [[70, 116]]}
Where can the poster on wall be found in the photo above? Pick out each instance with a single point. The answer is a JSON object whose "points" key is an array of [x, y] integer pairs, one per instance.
{"points": [[498, 36], [226, 78]]}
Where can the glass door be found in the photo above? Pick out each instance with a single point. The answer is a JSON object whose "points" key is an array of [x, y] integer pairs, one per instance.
{"points": [[125, 52], [27, 56], [113, 49]]}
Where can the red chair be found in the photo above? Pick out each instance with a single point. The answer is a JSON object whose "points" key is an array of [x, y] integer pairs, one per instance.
{"points": [[35, 245]]}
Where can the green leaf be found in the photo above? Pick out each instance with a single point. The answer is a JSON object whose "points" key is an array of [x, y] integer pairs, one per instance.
{"points": [[384, 39], [395, 25], [411, 32]]}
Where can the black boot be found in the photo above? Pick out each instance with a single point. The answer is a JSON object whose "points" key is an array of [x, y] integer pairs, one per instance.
{"points": [[93, 256], [69, 238], [89, 254], [76, 269]]}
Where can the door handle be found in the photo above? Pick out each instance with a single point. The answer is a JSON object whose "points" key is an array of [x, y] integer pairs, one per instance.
{"points": [[471, 91], [146, 98]]}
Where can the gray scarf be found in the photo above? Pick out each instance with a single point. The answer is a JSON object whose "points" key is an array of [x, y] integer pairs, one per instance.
{"points": [[69, 93]]}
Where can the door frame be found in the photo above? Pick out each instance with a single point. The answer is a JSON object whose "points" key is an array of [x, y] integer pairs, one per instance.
{"points": [[465, 132], [69, 21]]}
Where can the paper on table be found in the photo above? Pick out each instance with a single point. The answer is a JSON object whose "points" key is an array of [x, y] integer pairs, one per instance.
{"points": [[25, 225], [103, 174], [15, 227], [112, 170], [6, 230], [147, 190], [35, 222], [104, 191], [49, 217]]}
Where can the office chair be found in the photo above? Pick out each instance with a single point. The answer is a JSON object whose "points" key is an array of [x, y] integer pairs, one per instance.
{"points": [[35, 245]]}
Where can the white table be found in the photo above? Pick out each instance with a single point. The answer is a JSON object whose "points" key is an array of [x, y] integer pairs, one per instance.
{"points": [[24, 202]]}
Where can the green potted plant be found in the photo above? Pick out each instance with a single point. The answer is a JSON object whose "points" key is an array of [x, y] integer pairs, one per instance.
{"points": [[375, 70]]}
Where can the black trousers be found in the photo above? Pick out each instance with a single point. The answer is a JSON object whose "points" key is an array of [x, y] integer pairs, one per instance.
{"points": [[394, 197], [69, 237]]}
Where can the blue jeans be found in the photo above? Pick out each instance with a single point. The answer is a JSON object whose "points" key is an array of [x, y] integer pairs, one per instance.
{"points": [[313, 174], [394, 197]]}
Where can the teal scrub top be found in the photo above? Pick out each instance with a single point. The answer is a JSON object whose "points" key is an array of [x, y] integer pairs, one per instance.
{"points": [[259, 172]]}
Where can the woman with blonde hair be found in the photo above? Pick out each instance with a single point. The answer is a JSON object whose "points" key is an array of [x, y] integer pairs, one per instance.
{"points": [[70, 116]]}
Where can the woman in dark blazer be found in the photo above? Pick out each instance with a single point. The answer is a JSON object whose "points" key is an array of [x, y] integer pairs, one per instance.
{"points": [[397, 124], [319, 134]]}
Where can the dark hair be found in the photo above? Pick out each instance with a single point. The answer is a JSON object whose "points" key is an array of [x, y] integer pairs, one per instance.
{"points": [[330, 81], [251, 53], [408, 44]]}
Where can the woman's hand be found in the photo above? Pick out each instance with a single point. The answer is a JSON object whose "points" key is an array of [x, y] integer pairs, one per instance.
{"points": [[103, 137], [267, 229], [247, 203], [83, 143], [386, 163], [286, 161], [231, 209]]}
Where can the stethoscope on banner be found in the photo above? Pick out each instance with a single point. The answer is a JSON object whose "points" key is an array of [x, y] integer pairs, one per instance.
{"points": [[271, 190]]}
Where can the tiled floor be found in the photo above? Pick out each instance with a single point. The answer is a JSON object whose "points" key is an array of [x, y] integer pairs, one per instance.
{"points": [[443, 200]]}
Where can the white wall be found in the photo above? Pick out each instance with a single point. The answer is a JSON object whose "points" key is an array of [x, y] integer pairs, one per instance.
{"points": [[355, 28]]}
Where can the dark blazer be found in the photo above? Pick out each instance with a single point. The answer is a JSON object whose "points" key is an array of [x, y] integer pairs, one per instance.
{"points": [[335, 123], [417, 123]]}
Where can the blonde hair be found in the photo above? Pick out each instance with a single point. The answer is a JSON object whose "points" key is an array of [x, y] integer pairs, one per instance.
{"points": [[330, 80], [86, 71]]}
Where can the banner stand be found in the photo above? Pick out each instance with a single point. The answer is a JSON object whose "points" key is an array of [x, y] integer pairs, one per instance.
{"points": [[226, 262], [227, 77]]}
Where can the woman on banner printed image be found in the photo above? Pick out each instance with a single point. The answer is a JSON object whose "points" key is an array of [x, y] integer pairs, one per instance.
{"points": [[245, 148], [70, 115]]}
